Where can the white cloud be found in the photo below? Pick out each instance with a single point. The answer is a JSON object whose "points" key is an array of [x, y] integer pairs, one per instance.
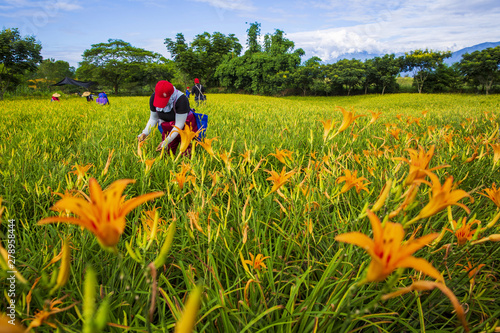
{"points": [[397, 26]]}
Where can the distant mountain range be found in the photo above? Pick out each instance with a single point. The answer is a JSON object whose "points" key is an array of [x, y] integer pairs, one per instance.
{"points": [[455, 56]]}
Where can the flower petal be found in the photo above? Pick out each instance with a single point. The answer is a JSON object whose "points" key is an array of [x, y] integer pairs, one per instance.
{"points": [[421, 265]]}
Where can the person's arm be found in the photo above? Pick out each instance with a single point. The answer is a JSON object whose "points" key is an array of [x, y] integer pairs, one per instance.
{"points": [[153, 120], [180, 121]]}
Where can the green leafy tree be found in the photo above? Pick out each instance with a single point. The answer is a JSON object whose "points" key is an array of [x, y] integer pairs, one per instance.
{"points": [[253, 34], [387, 68], [51, 71], [348, 73], [303, 78], [18, 56], [205, 53], [116, 63], [262, 70], [482, 67], [421, 63], [444, 79]]}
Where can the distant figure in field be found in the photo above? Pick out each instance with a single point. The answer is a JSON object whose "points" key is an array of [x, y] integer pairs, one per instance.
{"points": [[198, 91], [169, 108], [89, 96], [102, 99], [55, 97], [187, 92]]}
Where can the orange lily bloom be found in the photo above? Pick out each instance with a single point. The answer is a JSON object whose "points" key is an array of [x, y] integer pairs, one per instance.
{"points": [[387, 252], [207, 144], [181, 178], [226, 158], [348, 119], [279, 179], [246, 156], [464, 233], [149, 163], [187, 135], [103, 213], [257, 261], [375, 116], [281, 155], [395, 132], [419, 163], [351, 180], [471, 271], [80, 171], [327, 128], [496, 152], [442, 196], [41, 317], [493, 193]]}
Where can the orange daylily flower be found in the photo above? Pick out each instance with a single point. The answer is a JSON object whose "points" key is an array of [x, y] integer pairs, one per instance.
{"points": [[472, 272], [419, 162], [149, 163], [348, 119], [187, 135], [207, 145], [375, 116], [493, 193], [463, 233], [442, 196], [496, 152], [388, 252], [226, 158], [327, 128], [149, 218], [246, 156], [279, 179], [80, 171], [181, 178], [395, 132], [351, 180], [281, 155], [41, 317], [257, 261], [103, 213]]}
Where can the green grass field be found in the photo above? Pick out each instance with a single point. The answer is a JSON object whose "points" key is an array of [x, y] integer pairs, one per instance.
{"points": [[256, 223]]}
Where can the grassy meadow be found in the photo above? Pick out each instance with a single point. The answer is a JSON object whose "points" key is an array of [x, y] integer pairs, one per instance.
{"points": [[303, 214]]}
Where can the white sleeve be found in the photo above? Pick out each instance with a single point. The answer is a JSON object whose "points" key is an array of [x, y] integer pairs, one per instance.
{"points": [[180, 121], [153, 120]]}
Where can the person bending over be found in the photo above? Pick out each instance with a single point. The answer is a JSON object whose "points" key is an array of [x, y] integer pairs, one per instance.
{"points": [[169, 108]]}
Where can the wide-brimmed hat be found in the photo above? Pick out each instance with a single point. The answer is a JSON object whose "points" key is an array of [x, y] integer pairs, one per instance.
{"points": [[85, 94], [196, 81], [56, 95]]}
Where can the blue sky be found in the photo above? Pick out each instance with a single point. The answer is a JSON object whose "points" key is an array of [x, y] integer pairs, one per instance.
{"points": [[328, 29]]}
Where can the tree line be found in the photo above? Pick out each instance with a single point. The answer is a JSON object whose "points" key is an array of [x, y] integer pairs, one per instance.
{"points": [[270, 65]]}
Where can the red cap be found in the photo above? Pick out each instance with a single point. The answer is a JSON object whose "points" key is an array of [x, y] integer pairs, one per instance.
{"points": [[196, 81], [163, 91]]}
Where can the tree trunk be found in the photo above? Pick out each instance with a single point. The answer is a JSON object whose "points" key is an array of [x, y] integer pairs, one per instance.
{"points": [[383, 89]]}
